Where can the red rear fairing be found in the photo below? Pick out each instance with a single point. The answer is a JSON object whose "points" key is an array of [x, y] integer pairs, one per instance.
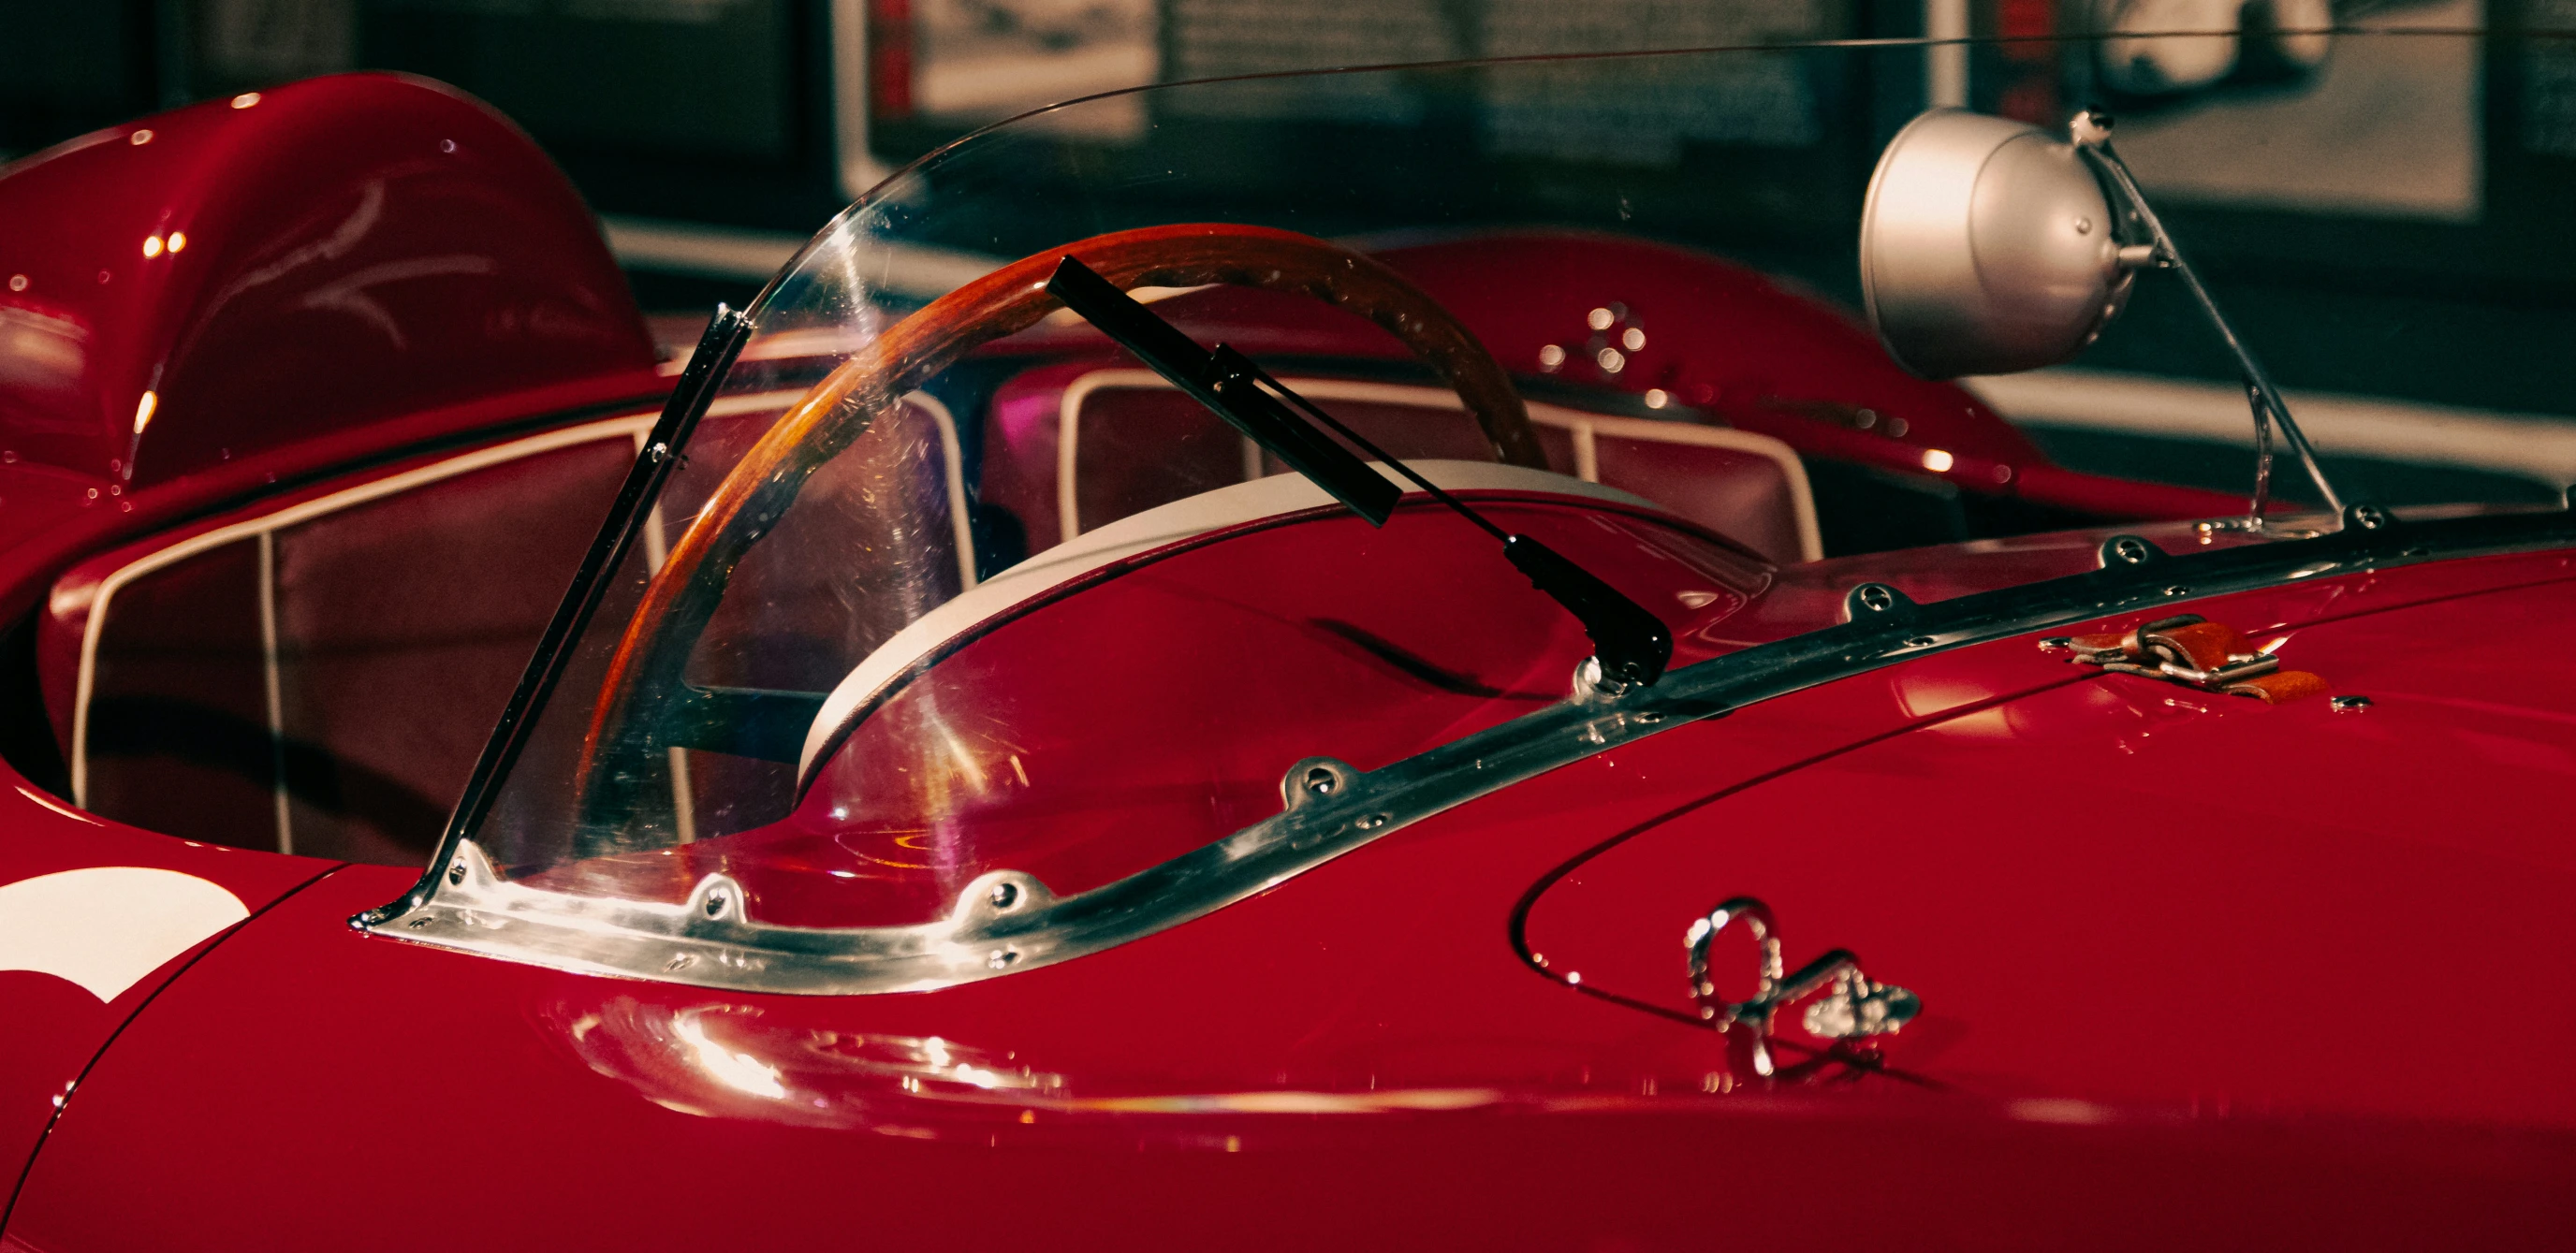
{"points": [[242, 274]]}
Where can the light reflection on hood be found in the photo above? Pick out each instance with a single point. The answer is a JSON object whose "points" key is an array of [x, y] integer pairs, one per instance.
{"points": [[721, 1060]]}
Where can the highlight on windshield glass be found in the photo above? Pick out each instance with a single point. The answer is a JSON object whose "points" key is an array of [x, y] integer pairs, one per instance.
{"points": [[1258, 620]]}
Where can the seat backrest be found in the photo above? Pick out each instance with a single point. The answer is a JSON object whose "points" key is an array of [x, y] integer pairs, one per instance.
{"points": [[1070, 449], [317, 675]]}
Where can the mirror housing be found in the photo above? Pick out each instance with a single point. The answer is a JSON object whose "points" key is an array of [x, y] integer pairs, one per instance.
{"points": [[1987, 246]]}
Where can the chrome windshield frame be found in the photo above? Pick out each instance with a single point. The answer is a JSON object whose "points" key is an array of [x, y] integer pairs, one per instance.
{"points": [[722, 341], [1006, 922]]}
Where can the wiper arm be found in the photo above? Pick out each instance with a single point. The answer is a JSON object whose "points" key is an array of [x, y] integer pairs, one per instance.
{"points": [[1230, 393], [1631, 645]]}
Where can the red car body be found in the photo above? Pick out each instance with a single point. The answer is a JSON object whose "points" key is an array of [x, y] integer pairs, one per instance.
{"points": [[2197, 971]]}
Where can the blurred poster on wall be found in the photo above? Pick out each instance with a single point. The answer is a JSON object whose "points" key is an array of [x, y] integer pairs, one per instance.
{"points": [[978, 61], [254, 43], [2549, 79], [1754, 100], [2369, 127], [1221, 38], [1763, 101]]}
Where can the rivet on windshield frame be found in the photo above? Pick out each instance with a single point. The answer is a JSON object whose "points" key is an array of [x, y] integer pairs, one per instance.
{"points": [[2056, 642], [2131, 550], [1001, 958], [1921, 641], [715, 904], [417, 923], [1876, 596], [679, 963], [456, 872], [1004, 895], [1321, 781], [2178, 589], [2370, 517], [2349, 704], [1371, 823]]}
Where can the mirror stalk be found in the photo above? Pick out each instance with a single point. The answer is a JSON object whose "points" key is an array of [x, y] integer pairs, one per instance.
{"points": [[2092, 135]]}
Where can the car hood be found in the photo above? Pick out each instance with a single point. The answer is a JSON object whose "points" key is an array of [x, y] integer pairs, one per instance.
{"points": [[2111, 888]]}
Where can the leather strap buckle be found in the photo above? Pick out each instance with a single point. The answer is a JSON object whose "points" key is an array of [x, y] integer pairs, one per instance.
{"points": [[2197, 653]]}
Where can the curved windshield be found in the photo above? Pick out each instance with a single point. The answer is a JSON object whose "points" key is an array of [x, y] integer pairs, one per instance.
{"points": [[951, 579]]}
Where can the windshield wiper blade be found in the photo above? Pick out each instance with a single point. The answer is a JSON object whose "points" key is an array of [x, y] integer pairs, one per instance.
{"points": [[1631, 645], [1232, 395]]}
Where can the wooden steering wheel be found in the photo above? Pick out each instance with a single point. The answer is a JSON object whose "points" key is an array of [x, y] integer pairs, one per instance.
{"points": [[644, 674]]}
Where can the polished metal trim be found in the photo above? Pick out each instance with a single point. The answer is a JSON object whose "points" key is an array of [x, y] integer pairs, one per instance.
{"points": [[637, 501], [1330, 809]]}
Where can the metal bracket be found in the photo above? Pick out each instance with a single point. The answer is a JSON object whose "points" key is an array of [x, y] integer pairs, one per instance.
{"points": [[2091, 132], [1856, 1007]]}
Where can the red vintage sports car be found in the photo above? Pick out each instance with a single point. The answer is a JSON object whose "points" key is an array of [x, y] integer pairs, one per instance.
{"points": [[1341, 696]]}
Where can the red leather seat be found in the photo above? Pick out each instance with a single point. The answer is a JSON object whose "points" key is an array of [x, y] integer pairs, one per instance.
{"points": [[319, 675], [1137, 443]]}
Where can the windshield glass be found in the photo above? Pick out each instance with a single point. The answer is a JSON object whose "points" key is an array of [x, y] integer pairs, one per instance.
{"points": [[947, 583]]}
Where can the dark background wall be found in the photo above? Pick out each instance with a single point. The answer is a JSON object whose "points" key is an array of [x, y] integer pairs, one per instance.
{"points": [[714, 134]]}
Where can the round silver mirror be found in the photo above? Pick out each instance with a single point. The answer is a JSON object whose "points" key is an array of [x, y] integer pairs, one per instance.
{"points": [[1987, 246]]}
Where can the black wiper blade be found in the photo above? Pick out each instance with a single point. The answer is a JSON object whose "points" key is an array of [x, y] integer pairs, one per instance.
{"points": [[1231, 394], [1631, 644]]}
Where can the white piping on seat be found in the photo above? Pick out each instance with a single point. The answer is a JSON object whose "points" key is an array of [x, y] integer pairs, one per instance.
{"points": [[95, 625], [1584, 428], [631, 426]]}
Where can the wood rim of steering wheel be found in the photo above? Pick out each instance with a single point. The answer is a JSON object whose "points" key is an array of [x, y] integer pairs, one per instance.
{"points": [[684, 593]]}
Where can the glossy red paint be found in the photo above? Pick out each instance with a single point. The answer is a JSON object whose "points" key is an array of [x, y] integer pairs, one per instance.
{"points": [[1369, 1033], [2147, 894], [239, 275], [55, 1027], [35, 497], [225, 320], [1715, 335], [58, 1028], [2074, 872]]}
